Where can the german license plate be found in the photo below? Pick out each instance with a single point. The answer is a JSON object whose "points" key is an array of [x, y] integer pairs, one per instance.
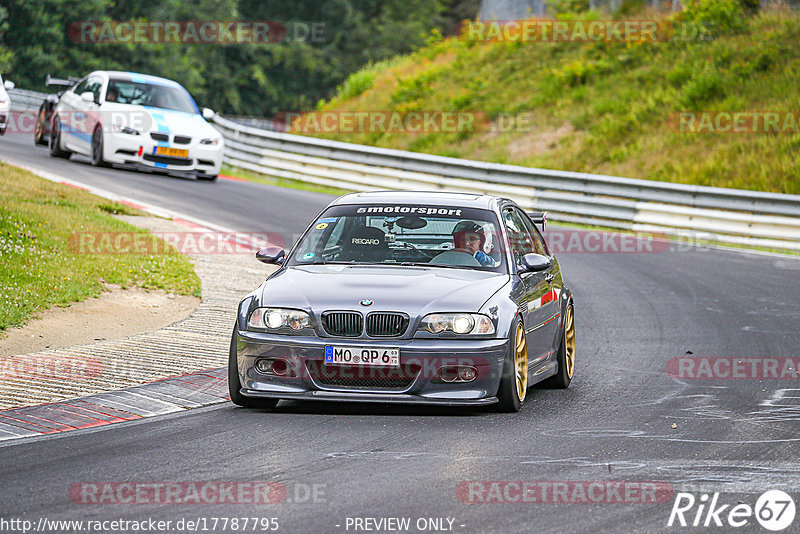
{"points": [[342, 355], [172, 152]]}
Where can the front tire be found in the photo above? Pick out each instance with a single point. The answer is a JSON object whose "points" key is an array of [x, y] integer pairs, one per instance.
{"points": [[55, 140], [566, 354], [235, 386], [514, 383], [206, 177], [97, 148]]}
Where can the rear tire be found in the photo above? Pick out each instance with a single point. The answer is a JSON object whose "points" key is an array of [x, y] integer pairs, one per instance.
{"points": [[514, 382], [566, 355], [55, 140], [235, 386], [40, 133]]}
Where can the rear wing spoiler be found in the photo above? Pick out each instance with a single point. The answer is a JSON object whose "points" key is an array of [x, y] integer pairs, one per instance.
{"points": [[69, 82], [539, 217]]}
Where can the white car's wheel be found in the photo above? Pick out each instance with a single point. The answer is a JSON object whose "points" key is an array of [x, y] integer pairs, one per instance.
{"points": [[97, 148], [55, 140]]}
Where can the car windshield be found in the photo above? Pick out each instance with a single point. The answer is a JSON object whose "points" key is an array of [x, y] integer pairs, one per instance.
{"points": [[447, 237], [146, 94]]}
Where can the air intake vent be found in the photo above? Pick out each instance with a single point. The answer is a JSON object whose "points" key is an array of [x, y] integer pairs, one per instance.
{"points": [[344, 324], [159, 136], [386, 324], [181, 140], [363, 378], [167, 160]]}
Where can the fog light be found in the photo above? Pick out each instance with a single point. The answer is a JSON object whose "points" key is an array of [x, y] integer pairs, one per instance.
{"points": [[457, 373], [467, 374], [265, 366], [448, 373], [279, 367]]}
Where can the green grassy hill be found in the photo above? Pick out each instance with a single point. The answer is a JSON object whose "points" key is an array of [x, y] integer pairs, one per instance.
{"points": [[606, 107]]}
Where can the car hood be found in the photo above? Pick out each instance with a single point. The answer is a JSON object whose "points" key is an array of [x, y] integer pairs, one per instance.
{"points": [[147, 119], [413, 290]]}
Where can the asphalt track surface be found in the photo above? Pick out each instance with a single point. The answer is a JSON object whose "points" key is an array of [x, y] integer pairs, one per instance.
{"points": [[623, 419]]}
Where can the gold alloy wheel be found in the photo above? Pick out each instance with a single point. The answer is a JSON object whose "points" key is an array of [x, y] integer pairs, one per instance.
{"points": [[569, 342], [521, 363], [37, 133]]}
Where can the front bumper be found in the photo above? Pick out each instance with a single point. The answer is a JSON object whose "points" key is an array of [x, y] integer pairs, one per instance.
{"points": [[308, 378], [138, 150]]}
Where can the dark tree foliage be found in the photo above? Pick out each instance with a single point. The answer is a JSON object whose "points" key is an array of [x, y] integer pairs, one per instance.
{"points": [[246, 79]]}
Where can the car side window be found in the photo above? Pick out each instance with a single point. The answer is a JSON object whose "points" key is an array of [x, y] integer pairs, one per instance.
{"points": [[539, 246], [519, 238], [95, 83], [81, 87]]}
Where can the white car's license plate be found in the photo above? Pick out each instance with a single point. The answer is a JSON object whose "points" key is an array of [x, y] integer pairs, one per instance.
{"points": [[171, 152], [346, 355]]}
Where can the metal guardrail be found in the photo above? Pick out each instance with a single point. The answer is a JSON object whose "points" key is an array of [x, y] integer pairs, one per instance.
{"points": [[716, 214], [712, 213], [22, 100]]}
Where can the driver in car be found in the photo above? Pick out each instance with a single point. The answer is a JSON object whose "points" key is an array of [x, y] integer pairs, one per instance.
{"points": [[470, 237]]}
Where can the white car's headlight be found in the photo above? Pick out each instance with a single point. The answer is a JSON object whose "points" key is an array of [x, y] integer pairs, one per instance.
{"points": [[459, 323], [278, 319], [125, 129], [210, 141]]}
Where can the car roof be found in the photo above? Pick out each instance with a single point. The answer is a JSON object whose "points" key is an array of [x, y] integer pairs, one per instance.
{"points": [[438, 198], [139, 78]]}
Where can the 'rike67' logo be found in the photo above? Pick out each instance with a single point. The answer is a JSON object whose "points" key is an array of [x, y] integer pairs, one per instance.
{"points": [[774, 510]]}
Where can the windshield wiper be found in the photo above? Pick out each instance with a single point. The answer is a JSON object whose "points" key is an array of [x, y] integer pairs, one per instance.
{"points": [[424, 264], [327, 262]]}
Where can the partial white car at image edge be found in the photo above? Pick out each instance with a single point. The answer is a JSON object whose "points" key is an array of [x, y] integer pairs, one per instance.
{"points": [[5, 104]]}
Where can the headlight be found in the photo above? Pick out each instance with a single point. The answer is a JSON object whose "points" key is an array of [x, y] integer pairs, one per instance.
{"points": [[124, 129], [209, 141], [459, 323], [276, 319]]}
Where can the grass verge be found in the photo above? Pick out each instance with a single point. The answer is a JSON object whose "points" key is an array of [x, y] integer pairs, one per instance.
{"points": [[38, 266], [605, 107]]}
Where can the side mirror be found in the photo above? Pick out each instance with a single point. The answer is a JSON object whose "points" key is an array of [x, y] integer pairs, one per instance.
{"points": [[9, 85], [271, 255], [535, 263], [208, 114], [88, 96]]}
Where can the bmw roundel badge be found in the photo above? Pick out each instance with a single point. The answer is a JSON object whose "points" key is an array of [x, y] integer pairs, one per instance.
{"points": [[366, 302]]}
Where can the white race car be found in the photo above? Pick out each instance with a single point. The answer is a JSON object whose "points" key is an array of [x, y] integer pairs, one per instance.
{"points": [[124, 117], [5, 104]]}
